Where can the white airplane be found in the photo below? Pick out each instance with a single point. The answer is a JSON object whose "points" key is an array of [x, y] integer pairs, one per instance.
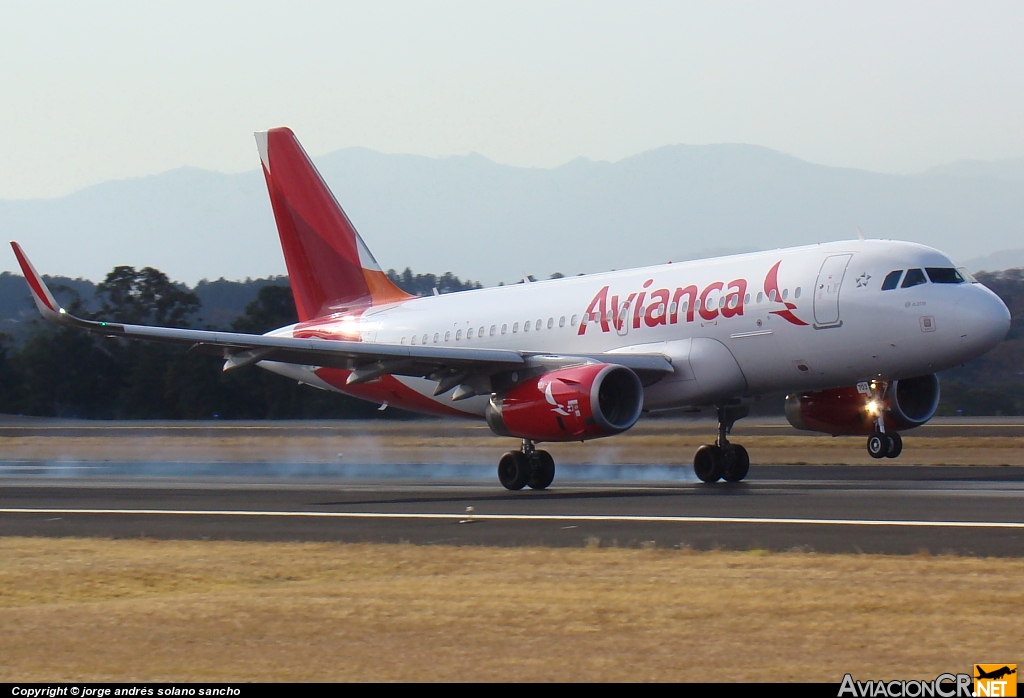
{"points": [[854, 331]]}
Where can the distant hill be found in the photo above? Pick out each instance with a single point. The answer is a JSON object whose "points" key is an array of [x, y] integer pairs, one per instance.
{"points": [[997, 261], [495, 222], [1011, 169]]}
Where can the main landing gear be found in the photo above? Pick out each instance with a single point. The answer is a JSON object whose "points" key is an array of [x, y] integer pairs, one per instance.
{"points": [[517, 469], [723, 460]]}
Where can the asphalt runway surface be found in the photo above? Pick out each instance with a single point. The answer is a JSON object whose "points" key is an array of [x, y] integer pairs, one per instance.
{"points": [[869, 509]]}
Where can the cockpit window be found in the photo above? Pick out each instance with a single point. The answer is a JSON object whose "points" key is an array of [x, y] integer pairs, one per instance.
{"points": [[892, 280], [944, 275], [968, 276], [914, 277]]}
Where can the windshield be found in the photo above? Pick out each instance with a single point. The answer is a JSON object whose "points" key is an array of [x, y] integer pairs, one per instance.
{"points": [[944, 275], [913, 278]]}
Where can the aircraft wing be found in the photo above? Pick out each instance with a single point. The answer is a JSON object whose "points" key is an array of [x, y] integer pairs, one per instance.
{"points": [[473, 370]]}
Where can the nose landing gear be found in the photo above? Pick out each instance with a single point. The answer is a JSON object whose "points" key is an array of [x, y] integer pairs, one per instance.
{"points": [[723, 460], [532, 467], [882, 444]]}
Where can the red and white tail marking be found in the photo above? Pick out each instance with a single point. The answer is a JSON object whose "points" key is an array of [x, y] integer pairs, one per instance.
{"points": [[329, 265]]}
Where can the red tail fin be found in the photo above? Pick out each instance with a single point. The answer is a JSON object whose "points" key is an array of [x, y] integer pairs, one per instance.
{"points": [[329, 266]]}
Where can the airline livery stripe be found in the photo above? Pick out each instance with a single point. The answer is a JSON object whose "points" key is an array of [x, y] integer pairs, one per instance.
{"points": [[525, 517]]}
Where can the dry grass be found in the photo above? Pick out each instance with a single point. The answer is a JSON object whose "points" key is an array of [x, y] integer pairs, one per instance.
{"points": [[484, 447], [100, 610], [480, 446]]}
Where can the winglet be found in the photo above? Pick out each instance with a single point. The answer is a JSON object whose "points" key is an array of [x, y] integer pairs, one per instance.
{"points": [[45, 302]]}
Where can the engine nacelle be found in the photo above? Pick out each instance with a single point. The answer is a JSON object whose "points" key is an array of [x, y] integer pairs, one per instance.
{"points": [[907, 404], [569, 404]]}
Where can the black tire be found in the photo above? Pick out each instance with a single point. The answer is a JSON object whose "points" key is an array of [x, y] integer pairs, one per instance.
{"points": [[878, 445], [707, 463], [736, 465], [514, 470], [543, 470], [895, 445]]}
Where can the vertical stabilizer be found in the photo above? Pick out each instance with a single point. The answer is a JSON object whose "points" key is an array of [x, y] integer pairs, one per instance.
{"points": [[328, 263]]}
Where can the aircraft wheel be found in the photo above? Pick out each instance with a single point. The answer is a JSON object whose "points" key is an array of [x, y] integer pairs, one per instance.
{"points": [[707, 463], [543, 470], [878, 445], [736, 464], [514, 470], [895, 445]]}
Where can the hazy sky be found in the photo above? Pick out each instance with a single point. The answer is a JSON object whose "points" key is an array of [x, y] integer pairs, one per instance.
{"points": [[95, 91]]}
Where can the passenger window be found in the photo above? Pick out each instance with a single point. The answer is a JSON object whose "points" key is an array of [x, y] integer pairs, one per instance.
{"points": [[447, 336], [561, 321], [526, 326], [494, 330], [572, 322], [413, 341], [515, 327], [538, 325], [437, 336], [480, 333], [892, 280], [469, 334], [551, 322], [504, 329], [458, 335], [914, 277], [944, 275]]}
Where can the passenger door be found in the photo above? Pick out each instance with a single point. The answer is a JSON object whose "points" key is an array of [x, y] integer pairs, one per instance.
{"points": [[826, 291]]}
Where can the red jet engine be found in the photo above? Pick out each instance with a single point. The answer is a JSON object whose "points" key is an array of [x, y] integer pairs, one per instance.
{"points": [[569, 404], [904, 404]]}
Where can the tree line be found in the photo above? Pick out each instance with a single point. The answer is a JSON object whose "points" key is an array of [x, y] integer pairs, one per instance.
{"points": [[52, 371], [57, 371]]}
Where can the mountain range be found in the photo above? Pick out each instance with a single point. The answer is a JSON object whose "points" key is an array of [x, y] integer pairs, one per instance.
{"points": [[498, 223]]}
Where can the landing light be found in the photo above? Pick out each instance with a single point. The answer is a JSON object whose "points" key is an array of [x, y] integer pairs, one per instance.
{"points": [[874, 408]]}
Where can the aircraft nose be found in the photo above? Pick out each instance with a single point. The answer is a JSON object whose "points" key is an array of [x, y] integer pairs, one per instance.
{"points": [[982, 319]]}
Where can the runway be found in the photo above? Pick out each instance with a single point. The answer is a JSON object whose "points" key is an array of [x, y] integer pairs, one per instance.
{"points": [[869, 509]]}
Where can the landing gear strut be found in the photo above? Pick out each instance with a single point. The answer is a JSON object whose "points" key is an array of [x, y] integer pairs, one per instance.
{"points": [[723, 460], [532, 467]]}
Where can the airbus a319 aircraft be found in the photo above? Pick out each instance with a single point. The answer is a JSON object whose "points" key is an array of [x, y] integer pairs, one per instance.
{"points": [[853, 331]]}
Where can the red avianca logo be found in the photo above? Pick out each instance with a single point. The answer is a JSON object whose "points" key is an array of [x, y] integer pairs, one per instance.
{"points": [[664, 307], [771, 289]]}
